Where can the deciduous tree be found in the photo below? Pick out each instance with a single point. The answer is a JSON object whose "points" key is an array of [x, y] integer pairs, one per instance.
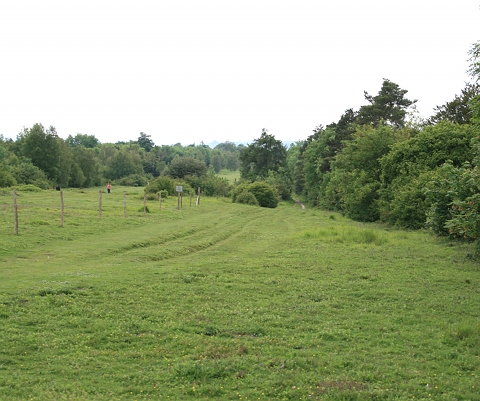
{"points": [[181, 167], [474, 72], [264, 154], [354, 182], [88, 141], [145, 142], [42, 147]]}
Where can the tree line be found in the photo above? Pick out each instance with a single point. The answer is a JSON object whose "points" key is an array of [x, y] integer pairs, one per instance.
{"points": [[40, 157], [383, 163]]}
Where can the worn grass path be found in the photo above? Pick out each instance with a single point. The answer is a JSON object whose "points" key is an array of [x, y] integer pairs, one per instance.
{"points": [[232, 302]]}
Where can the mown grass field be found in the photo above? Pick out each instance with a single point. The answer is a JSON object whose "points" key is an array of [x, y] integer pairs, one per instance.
{"points": [[231, 176], [229, 302]]}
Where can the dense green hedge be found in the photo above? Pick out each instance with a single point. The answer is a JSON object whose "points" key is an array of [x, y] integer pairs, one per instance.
{"points": [[265, 194]]}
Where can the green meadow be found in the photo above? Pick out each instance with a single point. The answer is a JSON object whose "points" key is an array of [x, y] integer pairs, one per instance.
{"points": [[225, 301], [231, 176]]}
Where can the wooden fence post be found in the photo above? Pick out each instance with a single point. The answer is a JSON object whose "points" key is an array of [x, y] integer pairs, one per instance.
{"points": [[160, 199], [191, 195], [15, 212], [144, 204], [124, 204], [100, 205], [62, 210], [198, 197]]}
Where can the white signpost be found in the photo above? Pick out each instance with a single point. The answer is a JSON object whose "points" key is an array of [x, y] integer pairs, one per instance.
{"points": [[179, 190]]}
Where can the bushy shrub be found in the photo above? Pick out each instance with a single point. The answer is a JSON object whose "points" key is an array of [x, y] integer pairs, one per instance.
{"points": [[211, 185], [454, 187], [465, 221], [280, 181], [26, 173], [239, 188], [247, 198], [6, 178], [162, 183], [404, 203], [132, 180], [431, 148], [155, 196], [28, 188], [361, 201], [353, 193], [181, 167], [150, 196], [330, 197], [265, 194]]}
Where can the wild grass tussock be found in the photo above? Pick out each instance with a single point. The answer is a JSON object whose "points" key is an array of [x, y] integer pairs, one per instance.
{"points": [[347, 234]]}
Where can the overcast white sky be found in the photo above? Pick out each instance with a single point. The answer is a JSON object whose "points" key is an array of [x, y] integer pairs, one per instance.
{"points": [[192, 70]]}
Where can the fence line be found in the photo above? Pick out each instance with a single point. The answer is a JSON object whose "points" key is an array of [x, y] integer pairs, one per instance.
{"points": [[16, 206]]}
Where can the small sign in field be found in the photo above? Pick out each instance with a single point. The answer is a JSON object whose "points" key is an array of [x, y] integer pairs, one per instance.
{"points": [[179, 188]]}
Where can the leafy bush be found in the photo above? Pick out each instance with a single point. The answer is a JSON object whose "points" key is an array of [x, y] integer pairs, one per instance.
{"points": [[6, 177], [167, 184], [354, 182], [154, 196], [162, 183], [181, 167], [455, 187], [361, 200], [150, 196], [330, 198], [431, 148], [247, 198], [265, 194], [464, 221], [28, 188], [132, 180], [280, 181], [26, 173], [211, 185], [353, 193], [239, 188], [404, 202]]}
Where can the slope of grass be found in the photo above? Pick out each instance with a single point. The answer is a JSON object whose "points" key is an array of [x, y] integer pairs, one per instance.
{"points": [[226, 301], [231, 176]]}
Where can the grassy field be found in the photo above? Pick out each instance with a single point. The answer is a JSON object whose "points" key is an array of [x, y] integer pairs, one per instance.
{"points": [[231, 176], [229, 302]]}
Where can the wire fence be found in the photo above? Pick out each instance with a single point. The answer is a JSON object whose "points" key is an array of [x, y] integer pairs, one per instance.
{"points": [[67, 207]]}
